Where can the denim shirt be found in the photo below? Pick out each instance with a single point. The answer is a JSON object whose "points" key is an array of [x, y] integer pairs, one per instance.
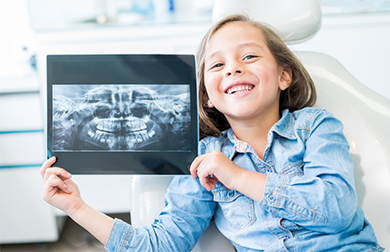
{"points": [[309, 201]]}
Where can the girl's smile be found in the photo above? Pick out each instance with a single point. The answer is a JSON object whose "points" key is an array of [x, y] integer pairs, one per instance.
{"points": [[239, 88]]}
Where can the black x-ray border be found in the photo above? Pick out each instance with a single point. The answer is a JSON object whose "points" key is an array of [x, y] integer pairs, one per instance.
{"points": [[140, 69]]}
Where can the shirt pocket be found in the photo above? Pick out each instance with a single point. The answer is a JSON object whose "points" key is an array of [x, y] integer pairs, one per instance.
{"points": [[237, 208]]}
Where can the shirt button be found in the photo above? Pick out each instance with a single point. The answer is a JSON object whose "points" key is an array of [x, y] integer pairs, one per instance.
{"points": [[268, 170], [271, 198]]}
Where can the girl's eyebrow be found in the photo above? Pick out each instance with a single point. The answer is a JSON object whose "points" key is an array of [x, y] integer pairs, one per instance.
{"points": [[251, 44], [244, 45], [211, 55]]}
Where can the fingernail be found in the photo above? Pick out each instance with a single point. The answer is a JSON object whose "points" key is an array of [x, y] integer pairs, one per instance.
{"points": [[67, 188]]}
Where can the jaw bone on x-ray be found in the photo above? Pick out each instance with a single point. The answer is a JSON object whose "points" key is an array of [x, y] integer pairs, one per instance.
{"points": [[121, 117]]}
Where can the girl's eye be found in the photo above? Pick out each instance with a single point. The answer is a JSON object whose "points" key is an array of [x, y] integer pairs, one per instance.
{"points": [[248, 57], [217, 65]]}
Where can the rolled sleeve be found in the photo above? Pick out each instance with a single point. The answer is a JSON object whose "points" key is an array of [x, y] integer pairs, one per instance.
{"points": [[277, 200], [189, 209], [120, 234]]}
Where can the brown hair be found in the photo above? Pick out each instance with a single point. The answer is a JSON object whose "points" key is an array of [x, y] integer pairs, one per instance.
{"points": [[301, 92]]}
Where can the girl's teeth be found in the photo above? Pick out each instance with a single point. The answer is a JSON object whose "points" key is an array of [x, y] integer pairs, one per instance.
{"points": [[239, 89]]}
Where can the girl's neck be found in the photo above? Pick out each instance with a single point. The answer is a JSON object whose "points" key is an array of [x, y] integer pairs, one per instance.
{"points": [[255, 132]]}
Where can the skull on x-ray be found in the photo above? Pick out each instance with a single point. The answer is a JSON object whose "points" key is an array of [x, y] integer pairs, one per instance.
{"points": [[63, 122], [115, 117]]}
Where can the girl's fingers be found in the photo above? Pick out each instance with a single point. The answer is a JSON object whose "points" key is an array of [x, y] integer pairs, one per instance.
{"points": [[52, 183], [207, 179], [204, 183], [207, 183], [213, 180], [195, 164], [47, 164], [59, 172]]}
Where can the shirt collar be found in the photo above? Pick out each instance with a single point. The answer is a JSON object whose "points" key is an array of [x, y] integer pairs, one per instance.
{"points": [[284, 128]]}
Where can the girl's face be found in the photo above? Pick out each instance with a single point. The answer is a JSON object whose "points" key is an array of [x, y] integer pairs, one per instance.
{"points": [[242, 78]]}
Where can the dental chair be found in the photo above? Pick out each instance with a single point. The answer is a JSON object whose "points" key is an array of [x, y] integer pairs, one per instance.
{"points": [[364, 113]]}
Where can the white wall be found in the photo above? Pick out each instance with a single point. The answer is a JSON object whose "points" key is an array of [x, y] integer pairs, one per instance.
{"points": [[361, 43]]}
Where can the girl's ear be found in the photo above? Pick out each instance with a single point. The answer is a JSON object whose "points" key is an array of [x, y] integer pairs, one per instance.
{"points": [[285, 78], [210, 104], [207, 101]]}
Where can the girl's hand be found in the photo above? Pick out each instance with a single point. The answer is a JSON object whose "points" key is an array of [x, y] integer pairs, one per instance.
{"points": [[214, 167], [59, 190]]}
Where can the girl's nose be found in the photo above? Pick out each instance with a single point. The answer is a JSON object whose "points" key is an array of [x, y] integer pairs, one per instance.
{"points": [[235, 69], [236, 72]]}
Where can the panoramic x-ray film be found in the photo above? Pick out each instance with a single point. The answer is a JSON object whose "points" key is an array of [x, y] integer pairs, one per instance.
{"points": [[132, 114], [121, 117]]}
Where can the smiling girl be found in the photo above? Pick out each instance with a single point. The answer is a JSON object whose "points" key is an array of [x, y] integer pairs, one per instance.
{"points": [[274, 173]]}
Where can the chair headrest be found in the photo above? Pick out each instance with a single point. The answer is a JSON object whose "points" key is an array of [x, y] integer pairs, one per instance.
{"points": [[295, 21]]}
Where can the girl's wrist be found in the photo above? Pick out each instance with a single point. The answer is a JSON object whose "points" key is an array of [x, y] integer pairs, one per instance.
{"points": [[94, 221], [78, 210], [252, 184]]}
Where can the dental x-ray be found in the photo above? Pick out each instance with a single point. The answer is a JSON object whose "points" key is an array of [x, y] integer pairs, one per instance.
{"points": [[121, 117], [147, 125]]}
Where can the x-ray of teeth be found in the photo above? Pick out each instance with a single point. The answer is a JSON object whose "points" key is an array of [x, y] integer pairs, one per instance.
{"points": [[121, 117]]}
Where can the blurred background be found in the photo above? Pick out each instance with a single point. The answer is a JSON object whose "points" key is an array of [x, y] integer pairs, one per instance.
{"points": [[355, 32]]}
